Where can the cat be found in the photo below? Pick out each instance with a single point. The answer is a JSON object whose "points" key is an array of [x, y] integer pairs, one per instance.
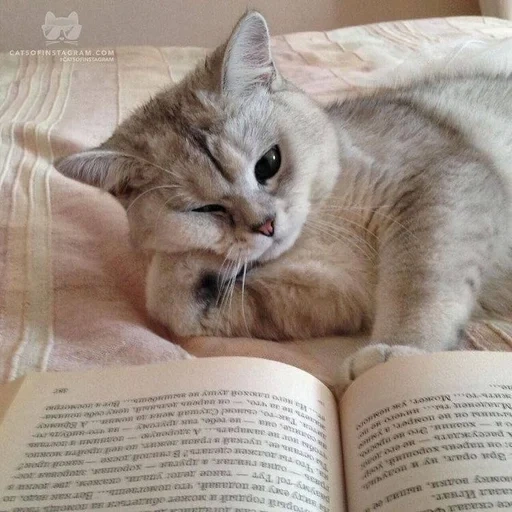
{"points": [[266, 214], [63, 29]]}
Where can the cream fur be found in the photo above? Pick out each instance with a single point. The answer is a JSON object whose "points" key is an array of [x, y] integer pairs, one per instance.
{"points": [[392, 211]]}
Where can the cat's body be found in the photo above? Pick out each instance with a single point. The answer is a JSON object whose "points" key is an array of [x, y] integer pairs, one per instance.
{"points": [[416, 225], [390, 213]]}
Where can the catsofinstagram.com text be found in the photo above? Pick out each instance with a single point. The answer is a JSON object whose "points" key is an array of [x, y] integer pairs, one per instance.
{"points": [[69, 55]]}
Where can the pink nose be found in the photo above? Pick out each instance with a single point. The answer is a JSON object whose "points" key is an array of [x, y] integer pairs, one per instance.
{"points": [[267, 228]]}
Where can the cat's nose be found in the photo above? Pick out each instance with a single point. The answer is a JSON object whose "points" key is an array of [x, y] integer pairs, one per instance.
{"points": [[267, 228]]}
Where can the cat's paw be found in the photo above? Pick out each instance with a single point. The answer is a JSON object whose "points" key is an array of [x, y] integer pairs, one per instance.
{"points": [[181, 290], [367, 358]]}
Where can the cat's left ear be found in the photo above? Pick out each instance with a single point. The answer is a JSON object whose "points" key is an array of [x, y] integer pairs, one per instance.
{"points": [[98, 167], [247, 61], [73, 17]]}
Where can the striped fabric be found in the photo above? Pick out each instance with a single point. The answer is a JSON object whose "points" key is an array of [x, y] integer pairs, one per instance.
{"points": [[71, 291]]}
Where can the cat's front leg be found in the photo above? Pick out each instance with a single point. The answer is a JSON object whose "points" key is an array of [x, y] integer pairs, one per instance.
{"points": [[429, 278], [368, 357], [416, 313], [413, 316], [181, 289], [194, 295]]}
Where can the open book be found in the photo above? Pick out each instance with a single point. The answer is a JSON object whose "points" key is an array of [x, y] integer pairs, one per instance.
{"points": [[426, 433]]}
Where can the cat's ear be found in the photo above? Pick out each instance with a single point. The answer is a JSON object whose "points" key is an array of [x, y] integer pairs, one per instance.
{"points": [[97, 167], [73, 17], [247, 61], [49, 19]]}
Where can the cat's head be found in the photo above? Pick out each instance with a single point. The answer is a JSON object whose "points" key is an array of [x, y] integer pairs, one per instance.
{"points": [[230, 160]]}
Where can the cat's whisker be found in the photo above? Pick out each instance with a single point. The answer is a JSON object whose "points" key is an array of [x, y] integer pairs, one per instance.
{"points": [[220, 306], [354, 207], [180, 194], [226, 259], [346, 231], [354, 223], [342, 241], [374, 212], [328, 230], [243, 296], [233, 281], [225, 276], [161, 211], [224, 280], [148, 191], [225, 288], [136, 157]]}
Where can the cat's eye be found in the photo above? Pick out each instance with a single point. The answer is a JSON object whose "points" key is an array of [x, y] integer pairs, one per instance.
{"points": [[268, 165], [211, 208]]}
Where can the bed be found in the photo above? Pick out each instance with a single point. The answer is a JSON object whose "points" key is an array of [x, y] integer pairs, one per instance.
{"points": [[71, 289]]}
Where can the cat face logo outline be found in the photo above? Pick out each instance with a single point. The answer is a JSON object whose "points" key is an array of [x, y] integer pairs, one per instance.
{"points": [[61, 30]]}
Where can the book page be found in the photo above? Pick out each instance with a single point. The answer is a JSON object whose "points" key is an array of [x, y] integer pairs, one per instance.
{"points": [[219, 434], [8, 393], [430, 433]]}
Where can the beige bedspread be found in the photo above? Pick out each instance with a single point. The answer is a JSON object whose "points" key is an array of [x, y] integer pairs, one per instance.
{"points": [[71, 290]]}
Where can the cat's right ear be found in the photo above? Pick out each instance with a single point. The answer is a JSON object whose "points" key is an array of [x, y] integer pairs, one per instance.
{"points": [[97, 167], [247, 61]]}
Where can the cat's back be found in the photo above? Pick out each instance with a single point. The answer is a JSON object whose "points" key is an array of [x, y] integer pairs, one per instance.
{"points": [[432, 117], [479, 106]]}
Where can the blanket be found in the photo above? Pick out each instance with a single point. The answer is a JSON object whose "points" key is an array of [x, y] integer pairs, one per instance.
{"points": [[71, 288]]}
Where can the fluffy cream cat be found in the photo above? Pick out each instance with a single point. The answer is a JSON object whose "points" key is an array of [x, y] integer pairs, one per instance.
{"points": [[269, 215]]}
